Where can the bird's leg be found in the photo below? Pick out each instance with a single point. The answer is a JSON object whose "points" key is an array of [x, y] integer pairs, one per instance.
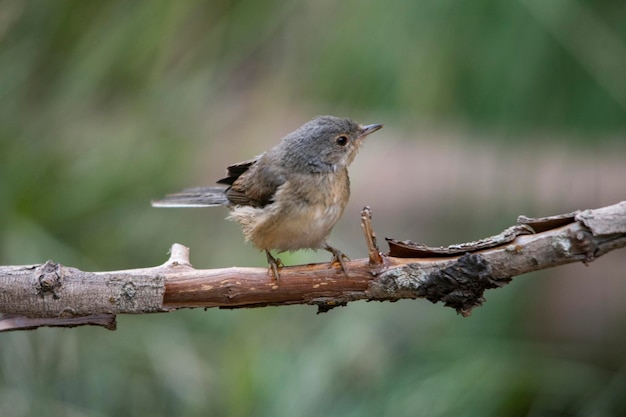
{"points": [[338, 257], [274, 264]]}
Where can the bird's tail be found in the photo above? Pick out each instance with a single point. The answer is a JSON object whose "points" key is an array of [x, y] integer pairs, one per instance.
{"points": [[194, 197]]}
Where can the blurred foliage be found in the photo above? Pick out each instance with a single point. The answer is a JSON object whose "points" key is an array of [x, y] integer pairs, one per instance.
{"points": [[106, 105]]}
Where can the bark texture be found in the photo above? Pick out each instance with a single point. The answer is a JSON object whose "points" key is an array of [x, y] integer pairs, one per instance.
{"points": [[458, 275]]}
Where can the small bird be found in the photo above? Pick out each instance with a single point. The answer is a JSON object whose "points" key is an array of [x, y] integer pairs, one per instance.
{"points": [[291, 196]]}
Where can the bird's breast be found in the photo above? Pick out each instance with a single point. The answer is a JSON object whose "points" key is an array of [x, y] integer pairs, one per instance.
{"points": [[303, 213]]}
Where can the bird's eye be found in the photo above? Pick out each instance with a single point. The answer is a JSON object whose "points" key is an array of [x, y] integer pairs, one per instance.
{"points": [[341, 140]]}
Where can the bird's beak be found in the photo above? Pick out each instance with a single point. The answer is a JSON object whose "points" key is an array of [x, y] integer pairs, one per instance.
{"points": [[368, 129]]}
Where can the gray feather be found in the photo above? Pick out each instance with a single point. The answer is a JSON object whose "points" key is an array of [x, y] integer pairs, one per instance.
{"points": [[194, 197]]}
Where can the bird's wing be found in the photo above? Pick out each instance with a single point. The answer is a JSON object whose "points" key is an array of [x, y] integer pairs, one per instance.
{"points": [[256, 185], [234, 171]]}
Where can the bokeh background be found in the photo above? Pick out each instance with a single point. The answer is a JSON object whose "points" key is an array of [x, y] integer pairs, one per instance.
{"points": [[492, 109]]}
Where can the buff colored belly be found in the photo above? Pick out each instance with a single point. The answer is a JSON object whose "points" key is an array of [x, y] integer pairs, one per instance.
{"points": [[302, 229]]}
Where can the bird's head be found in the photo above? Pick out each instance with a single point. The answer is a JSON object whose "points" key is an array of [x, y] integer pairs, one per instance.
{"points": [[324, 144]]}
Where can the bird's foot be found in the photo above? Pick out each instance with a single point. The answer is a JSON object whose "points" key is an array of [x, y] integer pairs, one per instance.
{"points": [[338, 257], [274, 264]]}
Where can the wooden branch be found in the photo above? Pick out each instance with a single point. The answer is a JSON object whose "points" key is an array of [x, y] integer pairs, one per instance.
{"points": [[54, 295]]}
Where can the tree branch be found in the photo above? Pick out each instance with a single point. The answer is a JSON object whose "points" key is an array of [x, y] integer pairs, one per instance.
{"points": [[54, 295]]}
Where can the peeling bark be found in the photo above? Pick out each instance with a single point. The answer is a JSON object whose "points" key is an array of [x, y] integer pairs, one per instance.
{"points": [[458, 275]]}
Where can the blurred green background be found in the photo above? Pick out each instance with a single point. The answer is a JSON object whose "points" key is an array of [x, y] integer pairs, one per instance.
{"points": [[492, 109]]}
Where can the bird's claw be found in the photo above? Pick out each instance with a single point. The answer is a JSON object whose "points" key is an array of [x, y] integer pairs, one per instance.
{"points": [[338, 257], [273, 265]]}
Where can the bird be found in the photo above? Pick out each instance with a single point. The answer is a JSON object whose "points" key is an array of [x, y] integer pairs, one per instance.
{"points": [[291, 196]]}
